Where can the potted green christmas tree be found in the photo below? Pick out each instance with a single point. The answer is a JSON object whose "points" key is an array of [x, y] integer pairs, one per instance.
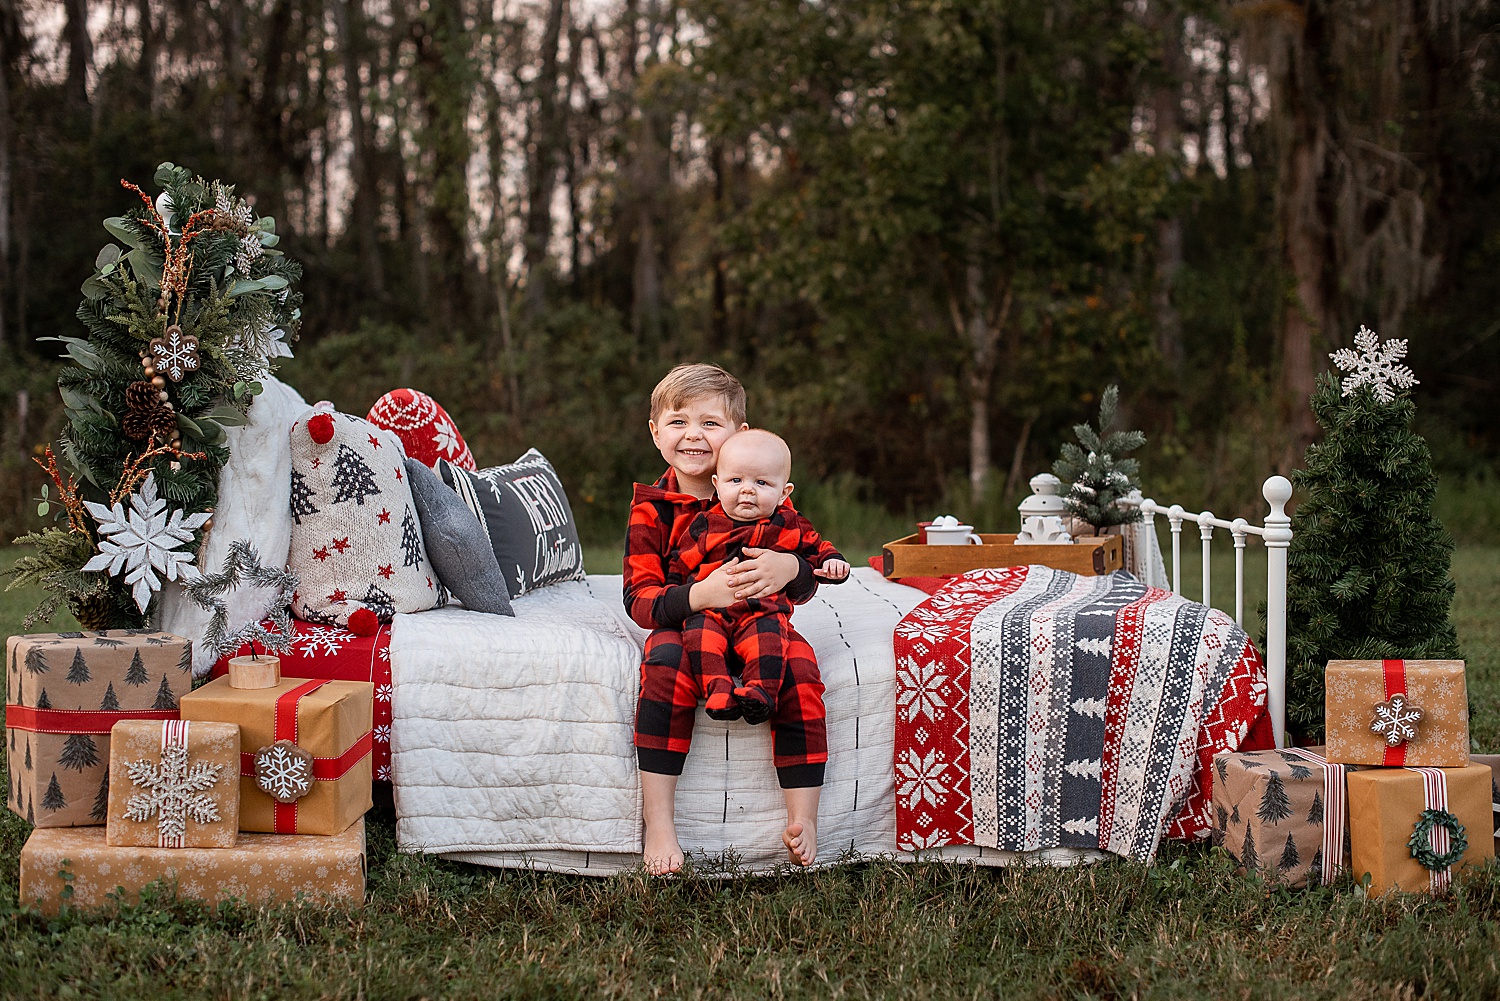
{"points": [[1099, 478], [1368, 566]]}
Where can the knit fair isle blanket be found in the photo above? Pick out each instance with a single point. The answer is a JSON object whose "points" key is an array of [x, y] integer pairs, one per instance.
{"points": [[1037, 708]]}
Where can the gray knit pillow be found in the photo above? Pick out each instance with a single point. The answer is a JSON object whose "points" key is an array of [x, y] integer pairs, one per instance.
{"points": [[456, 544]]}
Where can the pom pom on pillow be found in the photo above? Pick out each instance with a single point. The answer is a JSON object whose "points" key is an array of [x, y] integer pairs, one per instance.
{"points": [[356, 541], [424, 427]]}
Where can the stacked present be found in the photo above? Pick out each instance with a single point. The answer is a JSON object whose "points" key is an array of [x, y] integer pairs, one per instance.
{"points": [[129, 777], [1397, 760]]}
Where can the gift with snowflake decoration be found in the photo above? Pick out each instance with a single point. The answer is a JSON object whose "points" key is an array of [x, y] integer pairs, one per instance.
{"points": [[328, 721], [77, 866], [1412, 829], [144, 541], [1397, 712], [174, 784], [66, 693]]}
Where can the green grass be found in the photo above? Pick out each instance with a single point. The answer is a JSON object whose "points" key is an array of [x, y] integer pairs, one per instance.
{"points": [[1186, 928]]}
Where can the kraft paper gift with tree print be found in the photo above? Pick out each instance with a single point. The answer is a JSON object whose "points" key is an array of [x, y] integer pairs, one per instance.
{"points": [[1281, 814], [63, 693], [174, 784], [1415, 829], [1397, 712], [304, 750], [77, 866]]}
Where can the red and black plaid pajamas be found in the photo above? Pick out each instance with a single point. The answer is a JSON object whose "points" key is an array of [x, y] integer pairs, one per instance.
{"points": [[659, 516], [758, 630]]}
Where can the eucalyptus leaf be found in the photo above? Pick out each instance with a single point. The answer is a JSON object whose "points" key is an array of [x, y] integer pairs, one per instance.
{"points": [[244, 285], [227, 416], [76, 460], [256, 389], [166, 173], [85, 355], [127, 231], [77, 399], [268, 240], [107, 255], [273, 282], [189, 426], [94, 289], [144, 267]]}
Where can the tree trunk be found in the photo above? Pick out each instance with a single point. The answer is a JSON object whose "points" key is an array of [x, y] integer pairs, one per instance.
{"points": [[80, 52], [146, 69], [365, 205], [5, 173], [542, 179], [1167, 104], [1303, 241], [979, 320]]}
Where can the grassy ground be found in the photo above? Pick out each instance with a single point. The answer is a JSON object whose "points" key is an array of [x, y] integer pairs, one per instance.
{"points": [[1187, 927]]}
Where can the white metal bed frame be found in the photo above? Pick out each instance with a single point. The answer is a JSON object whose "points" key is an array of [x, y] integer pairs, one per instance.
{"points": [[1276, 532]]}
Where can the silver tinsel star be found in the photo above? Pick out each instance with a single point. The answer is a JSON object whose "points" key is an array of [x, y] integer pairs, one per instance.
{"points": [[242, 566], [1374, 365]]}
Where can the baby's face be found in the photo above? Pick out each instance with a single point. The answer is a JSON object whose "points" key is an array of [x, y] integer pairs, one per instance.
{"points": [[752, 477]]}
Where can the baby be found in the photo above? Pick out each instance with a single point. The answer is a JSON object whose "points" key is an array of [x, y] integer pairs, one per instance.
{"points": [[752, 484]]}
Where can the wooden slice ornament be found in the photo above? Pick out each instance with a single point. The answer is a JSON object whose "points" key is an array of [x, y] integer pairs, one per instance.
{"points": [[174, 354], [284, 771], [254, 672]]}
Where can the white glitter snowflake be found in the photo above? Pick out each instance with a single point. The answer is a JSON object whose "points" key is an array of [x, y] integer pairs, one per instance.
{"points": [[174, 792], [1396, 720], [144, 541], [1374, 365], [282, 773]]}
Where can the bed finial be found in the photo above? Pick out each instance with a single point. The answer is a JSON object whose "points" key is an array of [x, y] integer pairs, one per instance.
{"points": [[1278, 535]]}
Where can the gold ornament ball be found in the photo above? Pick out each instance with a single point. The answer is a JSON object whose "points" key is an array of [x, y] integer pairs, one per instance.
{"points": [[159, 382], [149, 372], [208, 526]]}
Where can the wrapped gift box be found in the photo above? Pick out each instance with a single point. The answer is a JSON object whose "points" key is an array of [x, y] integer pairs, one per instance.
{"points": [[63, 693], [1491, 761], [261, 869], [335, 653], [311, 735], [175, 784], [1281, 814], [1387, 805], [1397, 712]]}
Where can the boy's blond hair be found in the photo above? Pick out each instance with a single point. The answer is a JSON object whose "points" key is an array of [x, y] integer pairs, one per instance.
{"points": [[689, 382]]}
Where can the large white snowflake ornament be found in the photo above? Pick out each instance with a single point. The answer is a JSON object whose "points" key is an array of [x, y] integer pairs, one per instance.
{"points": [[174, 792], [1374, 365], [143, 541], [1396, 720]]}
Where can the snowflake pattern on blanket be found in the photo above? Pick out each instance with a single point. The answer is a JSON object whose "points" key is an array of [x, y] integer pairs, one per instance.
{"points": [[1037, 708]]}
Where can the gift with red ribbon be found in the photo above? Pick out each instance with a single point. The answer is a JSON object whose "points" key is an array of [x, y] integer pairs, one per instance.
{"points": [[1415, 828], [1281, 814], [1397, 713], [304, 751], [63, 694]]}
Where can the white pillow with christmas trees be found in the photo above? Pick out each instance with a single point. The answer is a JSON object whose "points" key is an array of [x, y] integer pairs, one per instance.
{"points": [[356, 541]]}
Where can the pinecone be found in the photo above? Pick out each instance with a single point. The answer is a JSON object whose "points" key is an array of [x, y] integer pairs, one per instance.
{"points": [[146, 416], [95, 612]]}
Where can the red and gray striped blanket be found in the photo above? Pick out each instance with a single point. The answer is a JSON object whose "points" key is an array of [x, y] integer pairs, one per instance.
{"points": [[1037, 708]]}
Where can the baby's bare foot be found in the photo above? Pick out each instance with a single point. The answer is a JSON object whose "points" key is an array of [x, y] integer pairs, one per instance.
{"points": [[661, 852], [801, 840]]}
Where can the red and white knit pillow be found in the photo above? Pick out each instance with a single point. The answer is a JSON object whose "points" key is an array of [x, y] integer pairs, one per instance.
{"points": [[356, 540], [423, 426]]}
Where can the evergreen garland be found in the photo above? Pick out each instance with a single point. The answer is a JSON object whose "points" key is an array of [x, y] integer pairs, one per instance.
{"points": [[1368, 566], [199, 259], [1100, 480]]}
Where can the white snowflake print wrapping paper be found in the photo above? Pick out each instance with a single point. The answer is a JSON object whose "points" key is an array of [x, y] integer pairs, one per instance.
{"points": [[173, 784], [260, 869], [1359, 693], [331, 722], [356, 541]]}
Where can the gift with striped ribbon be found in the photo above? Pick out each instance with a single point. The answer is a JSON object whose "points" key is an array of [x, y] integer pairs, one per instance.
{"points": [[1281, 814], [173, 784], [1416, 828]]}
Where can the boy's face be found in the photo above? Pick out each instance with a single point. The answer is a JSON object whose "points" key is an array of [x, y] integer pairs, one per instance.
{"points": [[752, 478], [689, 437]]}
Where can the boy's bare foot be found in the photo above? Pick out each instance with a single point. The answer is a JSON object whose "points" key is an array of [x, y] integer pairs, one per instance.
{"points": [[662, 853], [801, 840]]}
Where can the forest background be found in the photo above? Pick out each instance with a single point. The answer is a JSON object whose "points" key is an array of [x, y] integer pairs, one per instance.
{"points": [[925, 234]]}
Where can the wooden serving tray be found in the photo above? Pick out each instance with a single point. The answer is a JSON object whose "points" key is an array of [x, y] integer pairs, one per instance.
{"points": [[1090, 556]]}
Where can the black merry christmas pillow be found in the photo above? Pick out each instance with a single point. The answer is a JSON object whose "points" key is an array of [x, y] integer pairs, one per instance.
{"points": [[527, 517]]}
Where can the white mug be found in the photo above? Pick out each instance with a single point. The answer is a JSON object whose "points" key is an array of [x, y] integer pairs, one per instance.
{"points": [[952, 535]]}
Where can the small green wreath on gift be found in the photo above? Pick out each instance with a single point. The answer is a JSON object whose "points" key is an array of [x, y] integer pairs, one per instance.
{"points": [[182, 322], [1420, 842]]}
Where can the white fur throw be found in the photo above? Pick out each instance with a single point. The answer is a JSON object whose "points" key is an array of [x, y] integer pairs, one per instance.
{"points": [[253, 492], [356, 541]]}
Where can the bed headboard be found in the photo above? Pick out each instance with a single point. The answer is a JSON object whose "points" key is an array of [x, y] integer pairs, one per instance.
{"points": [[1276, 532]]}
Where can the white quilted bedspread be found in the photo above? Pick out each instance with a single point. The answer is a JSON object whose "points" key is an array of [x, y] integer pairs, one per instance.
{"points": [[512, 737]]}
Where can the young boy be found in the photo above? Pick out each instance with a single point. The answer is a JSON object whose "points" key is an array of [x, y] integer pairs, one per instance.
{"points": [[753, 483], [694, 410]]}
